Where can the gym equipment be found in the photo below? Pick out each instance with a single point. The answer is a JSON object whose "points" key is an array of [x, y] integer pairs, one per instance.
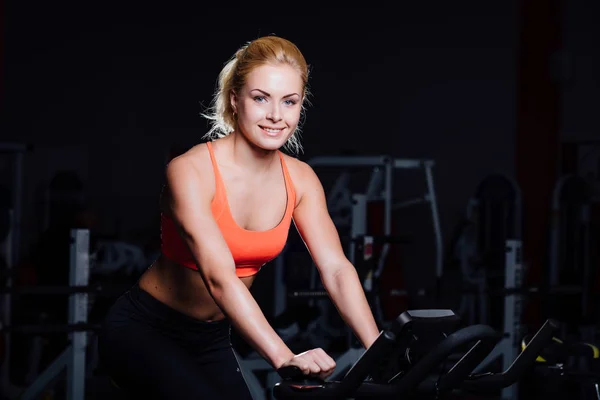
{"points": [[79, 358], [508, 347], [492, 216], [514, 295], [111, 256], [405, 361], [73, 358], [489, 253], [490, 249], [388, 165], [565, 369]]}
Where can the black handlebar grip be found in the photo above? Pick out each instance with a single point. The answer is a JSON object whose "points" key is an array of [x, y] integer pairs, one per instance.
{"points": [[290, 372], [367, 363]]}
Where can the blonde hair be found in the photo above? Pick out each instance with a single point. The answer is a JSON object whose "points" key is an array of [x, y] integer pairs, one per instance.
{"points": [[264, 50]]}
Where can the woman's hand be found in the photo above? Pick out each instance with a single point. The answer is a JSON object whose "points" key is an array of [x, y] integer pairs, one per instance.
{"points": [[313, 362]]}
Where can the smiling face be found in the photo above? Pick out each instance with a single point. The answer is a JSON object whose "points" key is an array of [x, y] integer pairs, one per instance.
{"points": [[268, 106]]}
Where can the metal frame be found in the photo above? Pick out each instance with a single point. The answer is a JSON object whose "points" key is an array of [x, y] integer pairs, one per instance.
{"points": [[431, 198], [349, 161], [389, 164], [479, 279], [73, 358], [509, 345]]}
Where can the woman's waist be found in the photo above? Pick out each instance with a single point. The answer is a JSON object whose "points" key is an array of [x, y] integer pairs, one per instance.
{"points": [[192, 332], [182, 289]]}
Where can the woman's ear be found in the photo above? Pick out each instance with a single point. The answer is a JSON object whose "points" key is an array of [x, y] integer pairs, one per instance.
{"points": [[233, 101]]}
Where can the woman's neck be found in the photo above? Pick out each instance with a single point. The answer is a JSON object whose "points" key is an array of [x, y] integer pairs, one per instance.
{"points": [[248, 156]]}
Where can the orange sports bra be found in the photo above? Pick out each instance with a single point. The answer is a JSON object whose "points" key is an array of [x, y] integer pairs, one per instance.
{"points": [[250, 249]]}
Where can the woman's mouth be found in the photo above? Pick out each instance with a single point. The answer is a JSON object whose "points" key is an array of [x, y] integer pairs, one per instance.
{"points": [[272, 131]]}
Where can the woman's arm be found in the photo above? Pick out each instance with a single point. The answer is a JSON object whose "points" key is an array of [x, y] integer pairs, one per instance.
{"points": [[338, 275], [190, 200]]}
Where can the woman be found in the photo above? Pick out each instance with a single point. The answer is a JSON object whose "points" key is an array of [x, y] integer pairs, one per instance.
{"points": [[226, 210]]}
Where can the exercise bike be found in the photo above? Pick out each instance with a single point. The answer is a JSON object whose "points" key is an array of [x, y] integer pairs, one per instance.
{"points": [[416, 357]]}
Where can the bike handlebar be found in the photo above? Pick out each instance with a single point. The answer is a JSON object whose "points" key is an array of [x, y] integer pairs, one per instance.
{"points": [[491, 381]]}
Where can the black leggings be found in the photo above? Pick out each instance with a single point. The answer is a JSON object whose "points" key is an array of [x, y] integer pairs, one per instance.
{"points": [[152, 351]]}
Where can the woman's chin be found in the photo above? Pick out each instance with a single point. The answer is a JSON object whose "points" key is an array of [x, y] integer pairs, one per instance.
{"points": [[270, 143]]}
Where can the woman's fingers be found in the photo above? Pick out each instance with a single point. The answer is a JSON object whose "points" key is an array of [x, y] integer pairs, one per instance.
{"points": [[315, 362]]}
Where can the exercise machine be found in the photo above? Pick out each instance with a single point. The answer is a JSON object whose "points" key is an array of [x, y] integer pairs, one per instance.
{"points": [[491, 265], [565, 368], [410, 359], [118, 256], [489, 251], [493, 215], [73, 358], [490, 256], [508, 347], [387, 165]]}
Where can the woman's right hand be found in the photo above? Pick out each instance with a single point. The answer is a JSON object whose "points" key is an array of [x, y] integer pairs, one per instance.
{"points": [[313, 362]]}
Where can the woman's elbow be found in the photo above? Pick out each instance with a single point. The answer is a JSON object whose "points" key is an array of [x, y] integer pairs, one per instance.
{"points": [[219, 282]]}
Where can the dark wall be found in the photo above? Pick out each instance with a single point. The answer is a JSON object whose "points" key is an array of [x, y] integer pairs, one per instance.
{"points": [[108, 92], [580, 63]]}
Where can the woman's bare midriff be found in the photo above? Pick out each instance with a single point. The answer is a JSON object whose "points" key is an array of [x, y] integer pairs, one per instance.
{"points": [[182, 289]]}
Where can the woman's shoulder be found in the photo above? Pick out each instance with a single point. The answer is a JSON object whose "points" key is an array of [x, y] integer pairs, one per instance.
{"points": [[192, 165], [297, 168], [188, 174], [196, 156], [302, 175]]}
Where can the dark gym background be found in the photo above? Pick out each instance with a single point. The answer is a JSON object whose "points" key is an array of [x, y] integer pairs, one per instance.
{"points": [[108, 90], [479, 87]]}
